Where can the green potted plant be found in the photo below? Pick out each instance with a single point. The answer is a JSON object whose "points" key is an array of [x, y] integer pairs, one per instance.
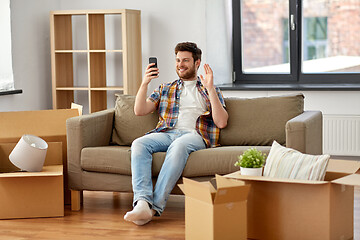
{"points": [[251, 162]]}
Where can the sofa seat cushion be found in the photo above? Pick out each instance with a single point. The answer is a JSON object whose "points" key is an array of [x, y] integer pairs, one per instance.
{"points": [[107, 159], [259, 121], [206, 162], [213, 161]]}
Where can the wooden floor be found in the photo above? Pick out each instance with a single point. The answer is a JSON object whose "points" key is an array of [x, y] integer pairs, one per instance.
{"points": [[102, 218]]}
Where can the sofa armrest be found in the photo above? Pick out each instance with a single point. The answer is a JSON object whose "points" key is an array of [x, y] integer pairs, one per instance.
{"points": [[304, 132], [86, 131]]}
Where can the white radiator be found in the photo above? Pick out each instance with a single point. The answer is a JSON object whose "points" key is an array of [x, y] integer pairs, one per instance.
{"points": [[341, 135]]}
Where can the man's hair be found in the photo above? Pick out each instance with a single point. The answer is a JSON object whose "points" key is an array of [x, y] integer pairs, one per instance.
{"points": [[189, 47]]}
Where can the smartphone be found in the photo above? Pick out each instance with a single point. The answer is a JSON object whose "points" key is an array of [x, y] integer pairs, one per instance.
{"points": [[153, 60]]}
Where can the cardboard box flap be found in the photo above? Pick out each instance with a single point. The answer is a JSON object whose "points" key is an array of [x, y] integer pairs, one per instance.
{"points": [[232, 194], [197, 190], [351, 180], [229, 189], [182, 188], [211, 187], [237, 175], [54, 170], [343, 166], [43, 123], [226, 182]]}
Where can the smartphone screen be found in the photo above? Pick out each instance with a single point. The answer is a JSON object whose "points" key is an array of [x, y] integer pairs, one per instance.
{"points": [[153, 60]]}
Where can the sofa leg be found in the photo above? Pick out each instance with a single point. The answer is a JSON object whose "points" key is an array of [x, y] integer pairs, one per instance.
{"points": [[75, 200]]}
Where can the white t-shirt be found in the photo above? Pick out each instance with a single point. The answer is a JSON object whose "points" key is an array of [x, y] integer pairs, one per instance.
{"points": [[192, 105]]}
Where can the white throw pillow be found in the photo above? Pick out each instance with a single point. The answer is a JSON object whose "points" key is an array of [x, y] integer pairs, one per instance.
{"points": [[285, 162]]}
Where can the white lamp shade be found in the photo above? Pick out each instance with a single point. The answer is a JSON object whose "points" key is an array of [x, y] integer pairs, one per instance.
{"points": [[29, 153]]}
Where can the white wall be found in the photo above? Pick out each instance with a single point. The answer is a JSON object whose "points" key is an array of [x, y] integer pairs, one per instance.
{"points": [[329, 102], [164, 23], [31, 55]]}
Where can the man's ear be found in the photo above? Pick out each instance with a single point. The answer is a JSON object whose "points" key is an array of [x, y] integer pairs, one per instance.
{"points": [[197, 63]]}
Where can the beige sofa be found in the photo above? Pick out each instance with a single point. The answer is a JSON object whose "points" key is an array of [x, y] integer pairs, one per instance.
{"points": [[99, 143]]}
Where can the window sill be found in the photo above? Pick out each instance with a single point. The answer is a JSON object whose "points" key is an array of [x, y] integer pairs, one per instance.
{"points": [[10, 92], [289, 87]]}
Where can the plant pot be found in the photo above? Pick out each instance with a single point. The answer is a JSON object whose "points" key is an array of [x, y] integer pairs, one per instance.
{"points": [[251, 171]]}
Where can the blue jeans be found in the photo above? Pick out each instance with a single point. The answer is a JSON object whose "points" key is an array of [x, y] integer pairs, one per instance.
{"points": [[178, 144]]}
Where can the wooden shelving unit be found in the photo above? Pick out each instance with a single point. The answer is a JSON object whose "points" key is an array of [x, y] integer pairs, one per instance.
{"points": [[94, 52]]}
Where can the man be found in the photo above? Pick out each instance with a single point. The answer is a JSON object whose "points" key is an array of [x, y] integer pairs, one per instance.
{"points": [[191, 113]]}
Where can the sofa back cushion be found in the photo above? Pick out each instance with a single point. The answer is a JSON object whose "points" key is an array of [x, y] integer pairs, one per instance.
{"points": [[259, 121], [128, 126]]}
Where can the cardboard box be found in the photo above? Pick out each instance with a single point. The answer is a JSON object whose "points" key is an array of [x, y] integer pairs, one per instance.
{"points": [[53, 156], [24, 194], [50, 125], [296, 209], [32, 194], [215, 213]]}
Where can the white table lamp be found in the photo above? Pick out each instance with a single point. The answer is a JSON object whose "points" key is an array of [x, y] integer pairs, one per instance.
{"points": [[29, 153]]}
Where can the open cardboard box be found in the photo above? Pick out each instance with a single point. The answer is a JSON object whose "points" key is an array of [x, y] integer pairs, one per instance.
{"points": [[215, 213], [53, 156], [298, 209], [50, 125], [31, 194]]}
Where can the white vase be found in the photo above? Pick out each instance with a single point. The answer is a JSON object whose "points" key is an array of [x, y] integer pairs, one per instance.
{"points": [[251, 171]]}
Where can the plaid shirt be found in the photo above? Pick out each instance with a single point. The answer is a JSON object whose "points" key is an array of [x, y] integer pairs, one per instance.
{"points": [[167, 100]]}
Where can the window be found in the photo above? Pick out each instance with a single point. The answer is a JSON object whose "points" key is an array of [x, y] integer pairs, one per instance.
{"points": [[6, 74], [315, 38], [296, 42]]}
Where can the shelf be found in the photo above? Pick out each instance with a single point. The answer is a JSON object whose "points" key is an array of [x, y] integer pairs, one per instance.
{"points": [[63, 32], [64, 99], [106, 51], [89, 51], [96, 31], [107, 89], [94, 54], [72, 88], [116, 88], [93, 11], [71, 51], [64, 70]]}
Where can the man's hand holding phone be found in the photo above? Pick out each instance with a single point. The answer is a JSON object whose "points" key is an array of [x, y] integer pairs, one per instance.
{"points": [[151, 71]]}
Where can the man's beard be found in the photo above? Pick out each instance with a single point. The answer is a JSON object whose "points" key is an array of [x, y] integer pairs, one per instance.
{"points": [[190, 73]]}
